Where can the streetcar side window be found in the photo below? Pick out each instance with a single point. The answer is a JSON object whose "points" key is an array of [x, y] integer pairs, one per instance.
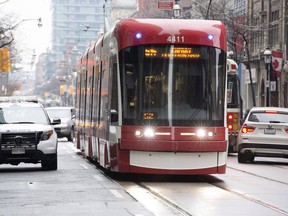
{"points": [[114, 90]]}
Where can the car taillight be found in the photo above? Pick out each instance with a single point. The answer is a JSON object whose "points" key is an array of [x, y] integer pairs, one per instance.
{"points": [[246, 129], [271, 111], [286, 130]]}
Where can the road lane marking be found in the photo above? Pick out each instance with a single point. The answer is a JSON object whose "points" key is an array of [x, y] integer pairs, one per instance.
{"points": [[116, 194], [98, 178], [84, 166]]}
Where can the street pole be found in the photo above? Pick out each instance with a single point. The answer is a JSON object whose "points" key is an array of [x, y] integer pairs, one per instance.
{"points": [[267, 59], [269, 84]]}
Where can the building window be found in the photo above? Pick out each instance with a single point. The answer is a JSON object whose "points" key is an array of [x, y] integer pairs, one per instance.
{"points": [[274, 28], [256, 35]]}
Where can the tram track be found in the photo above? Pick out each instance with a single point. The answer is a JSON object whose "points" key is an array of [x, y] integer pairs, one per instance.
{"points": [[174, 207], [206, 179], [249, 198], [211, 180], [259, 176]]}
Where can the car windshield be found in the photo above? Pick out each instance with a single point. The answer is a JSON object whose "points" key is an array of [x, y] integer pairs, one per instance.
{"points": [[30, 115], [59, 113], [268, 117]]}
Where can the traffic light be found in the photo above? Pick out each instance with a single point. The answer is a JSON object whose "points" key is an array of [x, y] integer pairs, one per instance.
{"points": [[62, 89], [70, 89], [4, 60]]}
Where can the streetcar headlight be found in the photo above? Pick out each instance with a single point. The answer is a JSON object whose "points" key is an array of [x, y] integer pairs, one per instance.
{"points": [[201, 133], [210, 134], [149, 132], [138, 133]]}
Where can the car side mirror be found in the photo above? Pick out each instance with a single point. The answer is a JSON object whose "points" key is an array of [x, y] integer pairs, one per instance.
{"points": [[56, 121]]}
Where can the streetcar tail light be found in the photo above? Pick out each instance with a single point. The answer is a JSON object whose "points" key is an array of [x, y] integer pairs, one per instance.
{"points": [[232, 121], [247, 129], [230, 126], [230, 116]]}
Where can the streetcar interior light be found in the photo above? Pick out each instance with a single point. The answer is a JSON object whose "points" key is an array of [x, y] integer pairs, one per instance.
{"points": [[210, 36], [149, 132], [138, 35], [201, 133]]}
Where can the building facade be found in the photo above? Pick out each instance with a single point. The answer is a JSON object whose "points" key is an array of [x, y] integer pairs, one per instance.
{"points": [[265, 29]]}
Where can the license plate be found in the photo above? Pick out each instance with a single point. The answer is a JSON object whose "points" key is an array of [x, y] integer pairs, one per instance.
{"points": [[269, 131], [18, 150]]}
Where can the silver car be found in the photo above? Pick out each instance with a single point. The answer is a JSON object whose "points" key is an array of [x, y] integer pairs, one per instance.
{"points": [[264, 133], [67, 116]]}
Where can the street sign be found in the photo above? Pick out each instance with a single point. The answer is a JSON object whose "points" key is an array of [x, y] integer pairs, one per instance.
{"points": [[164, 5], [273, 86]]}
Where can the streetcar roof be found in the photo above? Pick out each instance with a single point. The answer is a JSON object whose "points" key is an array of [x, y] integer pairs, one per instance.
{"points": [[158, 31]]}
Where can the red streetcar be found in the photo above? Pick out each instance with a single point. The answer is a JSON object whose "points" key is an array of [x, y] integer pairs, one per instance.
{"points": [[234, 112], [151, 97]]}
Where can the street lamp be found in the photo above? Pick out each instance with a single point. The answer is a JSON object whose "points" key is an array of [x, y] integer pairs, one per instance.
{"points": [[176, 10], [267, 60], [25, 20]]}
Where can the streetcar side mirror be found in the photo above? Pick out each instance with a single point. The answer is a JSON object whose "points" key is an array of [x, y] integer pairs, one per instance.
{"points": [[114, 116]]}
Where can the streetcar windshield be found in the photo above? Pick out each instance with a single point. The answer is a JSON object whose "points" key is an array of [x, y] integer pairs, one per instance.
{"points": [[173, 85], [232, 91]]}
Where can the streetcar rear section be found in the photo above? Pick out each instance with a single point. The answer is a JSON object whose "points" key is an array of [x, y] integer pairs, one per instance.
{"points": [[234, 110]]}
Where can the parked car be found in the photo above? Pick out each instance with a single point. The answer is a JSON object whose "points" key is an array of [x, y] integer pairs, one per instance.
{"points": [[264, 133], [67, 116], [27, 134]]}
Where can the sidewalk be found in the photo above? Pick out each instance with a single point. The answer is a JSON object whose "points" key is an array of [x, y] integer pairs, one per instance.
{"points": [[76, 188]]}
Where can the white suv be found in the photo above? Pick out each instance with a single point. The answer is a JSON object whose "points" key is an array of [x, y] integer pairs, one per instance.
{"points": [[264, 133], [27, 135]]}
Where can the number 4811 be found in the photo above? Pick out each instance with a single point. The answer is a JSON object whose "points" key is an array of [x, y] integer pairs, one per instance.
{"points": [[177, 39]]}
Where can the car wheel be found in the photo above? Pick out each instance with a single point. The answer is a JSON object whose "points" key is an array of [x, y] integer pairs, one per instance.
{"points": [[242, 158], [51, 164], [71, 135]]}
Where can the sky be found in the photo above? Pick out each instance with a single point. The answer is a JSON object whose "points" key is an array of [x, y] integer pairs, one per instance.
{"points": [[29, 36]]}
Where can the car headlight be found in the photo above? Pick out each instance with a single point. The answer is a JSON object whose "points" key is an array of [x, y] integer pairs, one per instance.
{"points": [[46, 134]]}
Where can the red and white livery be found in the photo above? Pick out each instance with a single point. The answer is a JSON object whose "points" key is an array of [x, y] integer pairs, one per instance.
{"points": [[151, 97]]}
